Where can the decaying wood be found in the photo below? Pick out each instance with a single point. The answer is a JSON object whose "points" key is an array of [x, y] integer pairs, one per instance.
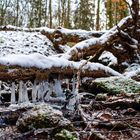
{"points": [[123, 103], [75, 36], [20, 73], [105, 42], [59, 36], [66, 35]]}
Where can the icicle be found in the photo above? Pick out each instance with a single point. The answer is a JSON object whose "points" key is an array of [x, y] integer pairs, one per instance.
{"points": [[13, 96], [49, 92], [20, 98], [74, 98], [45, 90], [25, 93], [68, 84], [73, 84], [57, 88], [34, 92], [40, 92], [0, 92]]}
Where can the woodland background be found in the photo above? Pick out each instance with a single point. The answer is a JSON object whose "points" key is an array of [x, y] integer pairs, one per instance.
{"points": [[88, 15]]}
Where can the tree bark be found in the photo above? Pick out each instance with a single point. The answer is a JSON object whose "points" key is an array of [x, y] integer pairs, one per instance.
{"points": [[22, 73], [93, 45]]}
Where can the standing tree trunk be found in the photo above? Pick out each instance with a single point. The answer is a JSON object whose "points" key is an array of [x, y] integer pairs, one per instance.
{"points": [[98, 16], [109, 13], [50, 12], [135, 13]]}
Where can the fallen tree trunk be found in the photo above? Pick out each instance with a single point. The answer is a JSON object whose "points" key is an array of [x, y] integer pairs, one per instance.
{"points": [[66, 35], [25, 67], [21, 73], [59, 36], [93, 45]]}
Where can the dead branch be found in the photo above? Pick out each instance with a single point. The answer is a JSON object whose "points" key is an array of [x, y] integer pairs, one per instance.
{"points": [[59, 35], [123, 103], [22, 73], [93, 45]]}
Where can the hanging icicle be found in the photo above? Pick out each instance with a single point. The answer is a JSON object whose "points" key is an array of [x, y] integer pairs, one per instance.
{"points": [[49, 91], [20, 98], [42, 90], [68, 84], [13, 96], [25, 93], [57, 88], [45, 89], [0, 92], [73, 84], [73, 100], [34, 91]]}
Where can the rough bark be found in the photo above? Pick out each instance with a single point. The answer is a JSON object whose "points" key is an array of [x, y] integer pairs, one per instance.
{"points": [[68, 35], [94, 46], [20, 73]]}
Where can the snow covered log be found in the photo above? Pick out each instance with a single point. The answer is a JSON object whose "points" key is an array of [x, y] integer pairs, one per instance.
{"points": [[70, 35], [15, 28], [67, 35], [36, 66], [94, 46]]}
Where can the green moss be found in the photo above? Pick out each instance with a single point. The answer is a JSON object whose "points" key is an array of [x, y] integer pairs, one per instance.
{"points": [[101, 97], [117, 85], [65, 135], [42, 116]]}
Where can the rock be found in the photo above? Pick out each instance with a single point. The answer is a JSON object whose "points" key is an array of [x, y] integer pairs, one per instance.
{"points": [[129, 111], [115, 85], [42, 116], [101, 97], [65, 135]]}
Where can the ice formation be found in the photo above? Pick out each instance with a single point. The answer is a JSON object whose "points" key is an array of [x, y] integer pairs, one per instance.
{"points": [[13, 94], [20, 94], [45, 91], [34, 91], [25, 93], [57, 88]]}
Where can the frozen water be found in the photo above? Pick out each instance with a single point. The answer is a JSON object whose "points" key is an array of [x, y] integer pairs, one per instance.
{"points": [[34, 91], [13, 96], [20, 98], [57, 88], [25, 93]]}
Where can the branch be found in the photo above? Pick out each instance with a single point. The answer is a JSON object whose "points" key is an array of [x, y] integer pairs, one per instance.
{"points": [[91, 46], [40, 67]]}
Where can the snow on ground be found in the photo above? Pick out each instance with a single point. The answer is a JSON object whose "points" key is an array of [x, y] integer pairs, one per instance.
{"points": [[132, 70], [108, 57], [19, 42]]}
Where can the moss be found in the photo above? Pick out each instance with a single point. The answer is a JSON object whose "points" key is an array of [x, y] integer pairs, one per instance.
{"points": [[42, 116], [65, 135], [3, 68], [101, 97], [117, 85]]}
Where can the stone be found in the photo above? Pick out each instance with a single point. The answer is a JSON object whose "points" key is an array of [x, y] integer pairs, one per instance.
{"points": [[116, 85], [65, 135], [42, 116]]}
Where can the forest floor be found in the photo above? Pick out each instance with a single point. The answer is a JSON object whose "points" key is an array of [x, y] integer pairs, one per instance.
{"points": [[97, 116], [105, 117]]}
